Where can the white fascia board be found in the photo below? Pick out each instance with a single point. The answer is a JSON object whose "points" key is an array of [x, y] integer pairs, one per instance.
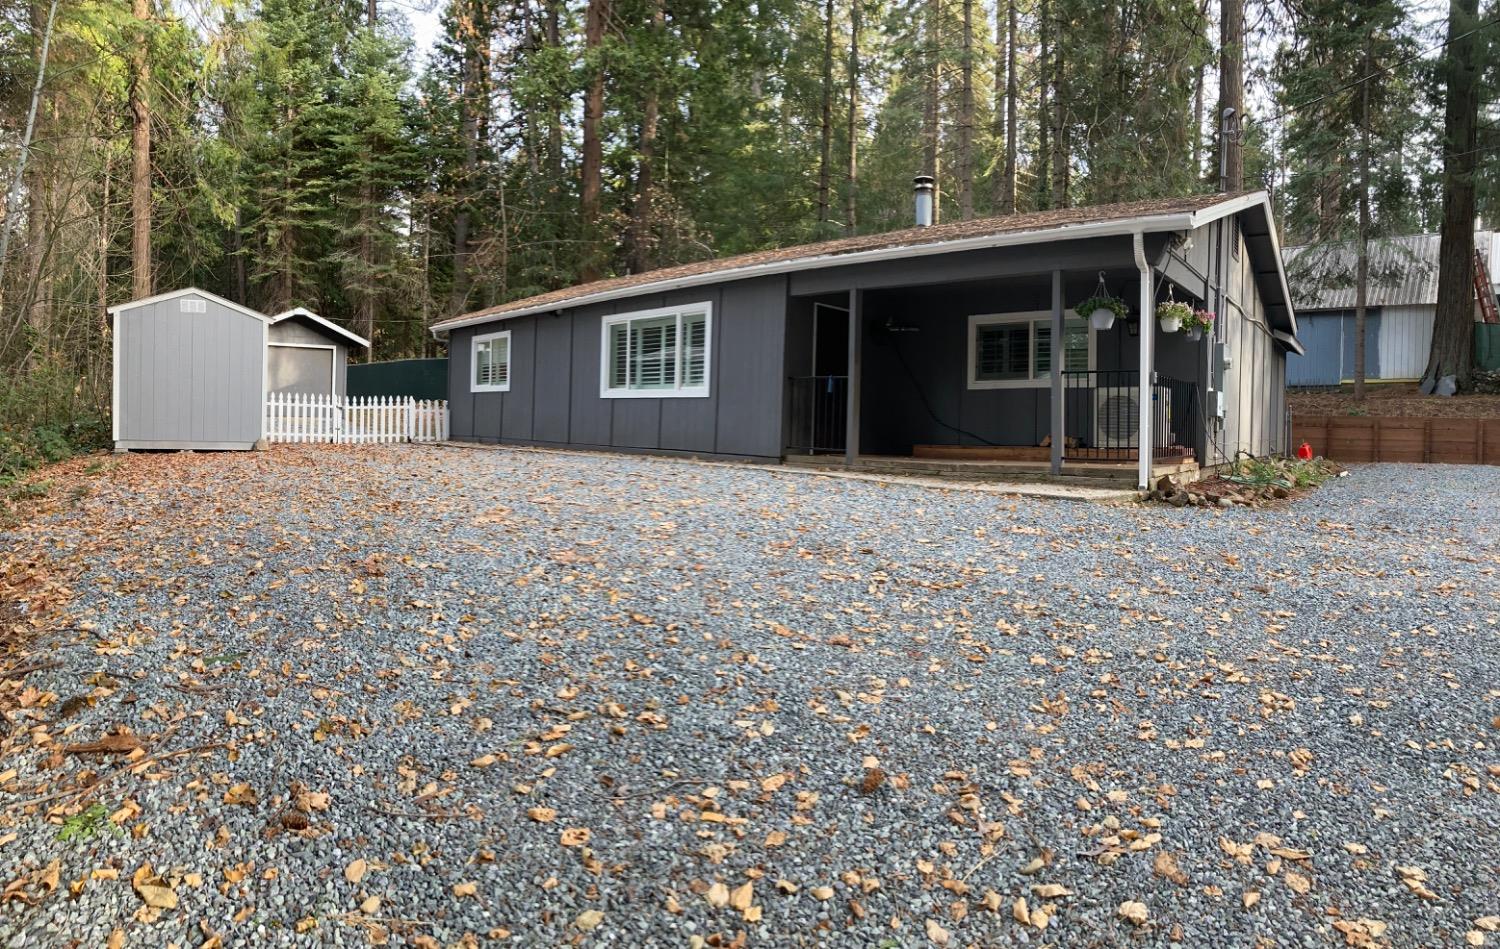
{"points": [[1068, 232], [163, 297], [329, 325], [1244, 203]]}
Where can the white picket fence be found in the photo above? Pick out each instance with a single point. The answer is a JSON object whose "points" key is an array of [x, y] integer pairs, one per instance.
{"points": [[303, 417]]}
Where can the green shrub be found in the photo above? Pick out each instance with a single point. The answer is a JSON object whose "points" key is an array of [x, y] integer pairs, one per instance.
{"points": [[46, 416]]}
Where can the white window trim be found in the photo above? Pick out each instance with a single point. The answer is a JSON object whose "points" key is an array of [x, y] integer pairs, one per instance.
{"points": [[977, 320], [474, 362], [333, 360], [681, 391]]}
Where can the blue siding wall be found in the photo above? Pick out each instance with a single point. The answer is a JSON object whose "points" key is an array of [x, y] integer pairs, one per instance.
{"points": [[1328, 339]]}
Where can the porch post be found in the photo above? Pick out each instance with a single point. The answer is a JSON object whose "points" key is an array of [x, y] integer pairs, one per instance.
{"points": [[1147, 367], [1057, 372], [856, 352]]}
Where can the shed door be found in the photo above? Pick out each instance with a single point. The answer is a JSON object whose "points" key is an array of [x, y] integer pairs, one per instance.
{"points": [[300, 369]]}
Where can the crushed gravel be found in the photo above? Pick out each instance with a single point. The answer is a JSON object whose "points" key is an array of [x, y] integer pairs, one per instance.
{"points": [[910, 706]]}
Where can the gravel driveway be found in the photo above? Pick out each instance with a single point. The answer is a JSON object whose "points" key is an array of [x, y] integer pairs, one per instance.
{"points": [[436, 696]]}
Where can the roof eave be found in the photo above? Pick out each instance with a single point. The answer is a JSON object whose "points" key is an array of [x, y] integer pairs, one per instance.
{"points": [[163, 297], [1178, 221], [326, 324]]}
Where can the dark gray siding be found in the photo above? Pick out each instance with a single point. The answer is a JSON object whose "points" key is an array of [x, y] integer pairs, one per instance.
{"points": [[555, 372], [188, 380]]}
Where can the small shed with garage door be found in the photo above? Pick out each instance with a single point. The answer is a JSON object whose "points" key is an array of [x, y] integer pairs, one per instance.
{"points": [[309, 355], [189, 372]]}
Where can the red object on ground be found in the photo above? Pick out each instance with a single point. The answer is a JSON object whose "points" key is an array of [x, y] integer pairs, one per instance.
{"points": [[1305, 452]]}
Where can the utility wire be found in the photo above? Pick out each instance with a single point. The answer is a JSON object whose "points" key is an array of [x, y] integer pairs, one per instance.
{"points": [[1381, 71]]}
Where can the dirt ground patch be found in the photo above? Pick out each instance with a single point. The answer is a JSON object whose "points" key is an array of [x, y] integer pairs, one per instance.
{"points": [[1398, 401]]}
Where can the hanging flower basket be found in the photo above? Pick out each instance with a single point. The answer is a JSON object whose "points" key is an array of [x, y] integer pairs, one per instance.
{"points": [[1102, 308], [1101, 311], [1171, 315], [1197, 323]]}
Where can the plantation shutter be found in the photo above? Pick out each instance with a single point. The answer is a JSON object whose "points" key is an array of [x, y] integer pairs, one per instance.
{"points": [[1002, 351], [694, 349], [619, 352], [492, 361], [653, 353]]}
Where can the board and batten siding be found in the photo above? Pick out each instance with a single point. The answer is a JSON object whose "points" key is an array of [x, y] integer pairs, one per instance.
{"points": [[1255, 381], [554, 399], [188, 379]]}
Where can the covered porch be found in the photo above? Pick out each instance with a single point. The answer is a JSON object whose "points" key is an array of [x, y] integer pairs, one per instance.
{"points": [[950, 371]]}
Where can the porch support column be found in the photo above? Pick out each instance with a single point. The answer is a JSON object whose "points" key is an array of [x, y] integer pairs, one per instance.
{"points": [[1057, 372], [1147, 367], [856, 356]]}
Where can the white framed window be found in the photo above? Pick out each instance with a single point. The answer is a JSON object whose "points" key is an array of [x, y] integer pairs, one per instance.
{"points": [[653, 354], [1014, 350], [490, 363]]}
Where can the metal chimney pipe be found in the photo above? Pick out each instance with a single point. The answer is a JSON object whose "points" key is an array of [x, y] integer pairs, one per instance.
{"points": [[923, 187]]}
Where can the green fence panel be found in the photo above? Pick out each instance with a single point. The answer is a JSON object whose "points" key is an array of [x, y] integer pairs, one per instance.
{"points": [[417, 378], [1487, 346]]}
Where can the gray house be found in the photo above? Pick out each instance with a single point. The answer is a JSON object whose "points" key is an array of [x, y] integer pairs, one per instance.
{"points": [[191, 369], [309, 354], [935, 342], [189, 372]]}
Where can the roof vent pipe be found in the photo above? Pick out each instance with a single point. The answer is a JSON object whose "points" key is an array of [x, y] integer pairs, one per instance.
{"points": [[923, 187]]}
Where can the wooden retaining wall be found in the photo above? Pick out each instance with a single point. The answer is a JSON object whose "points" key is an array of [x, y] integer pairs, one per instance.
{"points": [[1353, 439]]}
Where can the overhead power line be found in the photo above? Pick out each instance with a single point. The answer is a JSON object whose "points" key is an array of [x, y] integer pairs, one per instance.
{"points": [[1382, 71]]}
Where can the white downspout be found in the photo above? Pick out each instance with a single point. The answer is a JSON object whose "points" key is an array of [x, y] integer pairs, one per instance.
{"points": [[1148, 331]]}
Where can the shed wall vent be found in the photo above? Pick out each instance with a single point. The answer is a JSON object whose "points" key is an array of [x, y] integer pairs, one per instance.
{"points": [[190, 305]]}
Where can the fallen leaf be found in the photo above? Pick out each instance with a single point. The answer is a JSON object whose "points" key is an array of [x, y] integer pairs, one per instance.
{"points": [[370, 905], [717, 895], [937, 933], [1165, 866], [1050, 891], [589, 920], [152, 889], [1250, 898], [461, 890], [355, 871], [108, 745], [575, 836], [743, 896], [822, 892], [542, 815], [1134, 912], [1019, 911]]}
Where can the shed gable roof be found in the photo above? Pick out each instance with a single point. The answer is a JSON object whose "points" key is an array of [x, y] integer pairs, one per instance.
{"points": [[186, 291], [327, 327], [1164, 214]]}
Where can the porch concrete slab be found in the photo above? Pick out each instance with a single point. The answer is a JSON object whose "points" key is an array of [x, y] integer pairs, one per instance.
{"points": [[1050, 490]]}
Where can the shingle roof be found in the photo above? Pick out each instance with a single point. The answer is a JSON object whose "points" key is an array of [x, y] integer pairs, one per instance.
{"points": [[1040, 221], [1403, 272]]}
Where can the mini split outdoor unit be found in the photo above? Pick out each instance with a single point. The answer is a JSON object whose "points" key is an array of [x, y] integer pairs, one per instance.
{"points": [[1117, 418]]}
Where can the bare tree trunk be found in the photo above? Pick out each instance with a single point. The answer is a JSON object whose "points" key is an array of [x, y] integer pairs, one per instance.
{"points": [[554, 119], [140, 151], [1362, 250], [932, 111], [641, 222], [471, 103], [1041, 160], [1005, 90], [1232, 91], [1198, 99], [851, 193], [1059, 125], [966, 118], [592, 190], [825, 160], [1453, 330]]}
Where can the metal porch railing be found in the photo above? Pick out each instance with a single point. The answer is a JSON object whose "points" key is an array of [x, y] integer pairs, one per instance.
{"points": [[1101, 416], [817, 413]]}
